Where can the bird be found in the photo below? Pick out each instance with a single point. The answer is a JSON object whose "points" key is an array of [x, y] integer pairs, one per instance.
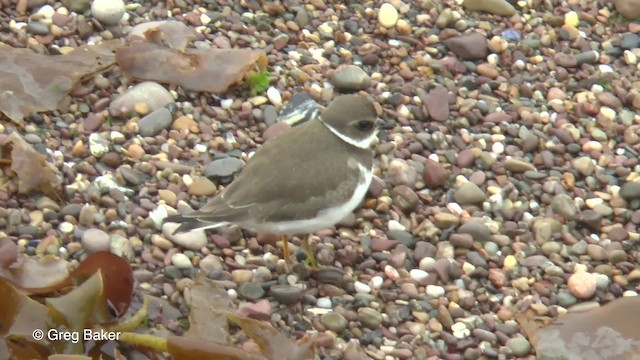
{"points": [[302, 181]]}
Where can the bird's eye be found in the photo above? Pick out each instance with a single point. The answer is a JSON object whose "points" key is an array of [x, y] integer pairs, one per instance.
{"points": [[364, 125]]}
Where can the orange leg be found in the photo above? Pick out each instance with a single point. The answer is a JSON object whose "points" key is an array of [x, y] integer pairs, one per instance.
{"points": [[307, 248], [285, 249]]}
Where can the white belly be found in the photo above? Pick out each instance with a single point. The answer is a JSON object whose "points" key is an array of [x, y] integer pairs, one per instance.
{"points": [[326, 218]]}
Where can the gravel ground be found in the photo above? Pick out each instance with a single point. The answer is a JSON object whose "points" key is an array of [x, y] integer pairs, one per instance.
{"points": [[507, 172]]}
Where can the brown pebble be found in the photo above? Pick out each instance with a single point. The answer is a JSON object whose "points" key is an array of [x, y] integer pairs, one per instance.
{"points": [[435, 175], [382, 244]]}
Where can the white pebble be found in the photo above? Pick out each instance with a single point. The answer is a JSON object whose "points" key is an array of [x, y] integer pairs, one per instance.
{"points": [[66, 227], [187, 180], [630, 58], [391, 272], [201, 148], [608, 112], [434, 290], [117, 137], [158, 215], [427, 263], [205, 19], [47, 11], [324, 302], [376, 282], [273, 94], [108, 12], [388, 15], [232, 294], [181, 261], [418, 275], [361, 287], [395, 226], [629, 293], [404, 111], [226, 103], [497, 148], [468, 268], [604, 68], [460, 330]]}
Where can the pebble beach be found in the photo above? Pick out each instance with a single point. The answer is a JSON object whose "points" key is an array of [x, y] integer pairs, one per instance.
{"points": [[506, 182]]}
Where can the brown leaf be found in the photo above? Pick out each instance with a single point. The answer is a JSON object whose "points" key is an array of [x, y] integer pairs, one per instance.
{"points": [[609, 332], [194, 348], [271, 342], [81, 307], [19, 317], [19, 314], [208, 303], [117, 278], [38, 276], [209, 70], [33, 171], [171, 34], [33, 82]]}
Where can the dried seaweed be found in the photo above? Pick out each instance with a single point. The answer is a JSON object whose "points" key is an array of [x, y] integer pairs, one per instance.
{"points": [[32, 82]]}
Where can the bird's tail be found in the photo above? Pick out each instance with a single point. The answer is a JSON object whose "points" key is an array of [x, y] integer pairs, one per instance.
{"points": [[190, 224]]}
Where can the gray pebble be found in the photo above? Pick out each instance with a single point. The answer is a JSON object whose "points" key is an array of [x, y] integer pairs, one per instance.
{"points": [[519, 345], [350, 78], [369, 317], [251, 291], [223, 169], [286, 294], [153, 123], [334, 322]]}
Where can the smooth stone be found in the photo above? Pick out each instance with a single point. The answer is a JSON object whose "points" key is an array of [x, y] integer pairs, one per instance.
{"points": [[37, 28], [630, 41], [108, 12], [223, 169], [211, 263], [361, 287], [251, 291], [388, 15], [584, 165], [350, 78], [495, 7], [437, 103], [479, 231], [472, 46], [369, 317], [628, 8], [469, 193], [181, 261], [519, 346], [404, 198], [201, 186], [630, 191], [94, 240], [286, 294], [334, 321], [193, 240], [153, 123], [582, 285], [590, 219], [435, 174], [518, 165], [563, 204], [148, 92]]}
